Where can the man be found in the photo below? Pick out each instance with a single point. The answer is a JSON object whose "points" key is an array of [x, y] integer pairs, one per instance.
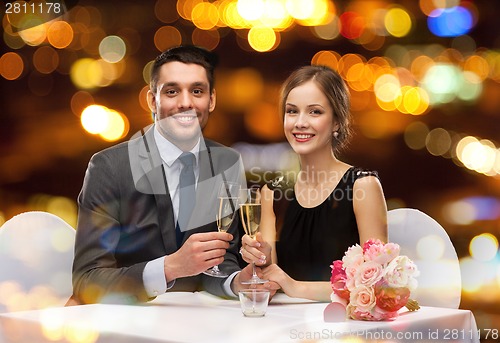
{"points": [[133, 239]]}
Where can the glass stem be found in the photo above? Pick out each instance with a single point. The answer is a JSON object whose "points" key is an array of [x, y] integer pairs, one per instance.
{"points": [[254, 273]]}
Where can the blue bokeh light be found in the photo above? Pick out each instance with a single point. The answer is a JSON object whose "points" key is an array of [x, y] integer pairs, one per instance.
{"points": [[450, 22]]}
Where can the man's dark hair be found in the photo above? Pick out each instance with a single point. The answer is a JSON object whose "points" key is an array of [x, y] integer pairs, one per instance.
{"points": [[185, 54]]}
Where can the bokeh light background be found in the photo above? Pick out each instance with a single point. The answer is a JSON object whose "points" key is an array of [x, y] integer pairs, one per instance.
{"points": [[424, 77]]}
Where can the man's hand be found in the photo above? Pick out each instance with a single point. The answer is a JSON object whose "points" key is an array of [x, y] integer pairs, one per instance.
{"points": [[199, 252]]}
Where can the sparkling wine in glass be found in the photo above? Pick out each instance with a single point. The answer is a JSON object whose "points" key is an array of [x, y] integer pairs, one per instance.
{"points": [[250, 217], [227, 211]]}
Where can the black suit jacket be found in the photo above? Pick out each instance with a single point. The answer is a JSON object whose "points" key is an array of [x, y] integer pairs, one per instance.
{"points": [[126, 219]]}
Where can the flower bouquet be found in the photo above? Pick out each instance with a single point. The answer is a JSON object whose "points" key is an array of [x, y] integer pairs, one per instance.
{"points": [[374, 280]]}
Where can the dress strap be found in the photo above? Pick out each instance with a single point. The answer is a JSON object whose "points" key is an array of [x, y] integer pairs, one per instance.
{"points": [[359, 173]]}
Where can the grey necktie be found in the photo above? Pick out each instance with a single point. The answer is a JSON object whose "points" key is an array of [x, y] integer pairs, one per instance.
{"points": [[187, 194]]}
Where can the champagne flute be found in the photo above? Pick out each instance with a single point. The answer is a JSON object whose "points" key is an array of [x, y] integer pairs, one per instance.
{"points": [[250, 218], [228, 206]]}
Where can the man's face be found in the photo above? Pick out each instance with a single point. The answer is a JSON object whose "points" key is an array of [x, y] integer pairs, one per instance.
{"points": [[182, 102]]}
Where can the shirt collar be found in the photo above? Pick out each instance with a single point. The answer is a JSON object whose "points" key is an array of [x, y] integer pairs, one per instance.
{"points": [[169, 152]]}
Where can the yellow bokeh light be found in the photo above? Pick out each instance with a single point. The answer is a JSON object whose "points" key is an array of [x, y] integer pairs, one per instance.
{"points": [[318, 15], [165, 11], [12, 39], [85, 73], [300, 9], [397, 22], [109, 124], [232, 18], [477, 155], [347, 61], [116, 128], [52, 324], [45, 59], [478, 65], [209, 39], [388, 92], [243, 88], [250, 9], [166, 37], [79, 101], [185, 7], [143, 98], [60, 34], [261, 38], [496, 166], [95, 119], [205, 16], [484, 247], [327, 58], [471, 87], [438, 142], [146, 72], [275, 15], [420, 65], [359, 77], [112, 49], [34, 35], [473, 274], [415, 135], [81, 332], [328, 30], [460, 212], [430, 248], [416, 100]]}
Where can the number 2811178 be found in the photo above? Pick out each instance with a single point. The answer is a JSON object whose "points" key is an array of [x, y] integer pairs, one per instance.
{"points": [[33, 8]]}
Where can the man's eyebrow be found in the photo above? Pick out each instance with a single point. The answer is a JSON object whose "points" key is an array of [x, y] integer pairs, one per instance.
{"points": [[177, 84], [200, 84]]}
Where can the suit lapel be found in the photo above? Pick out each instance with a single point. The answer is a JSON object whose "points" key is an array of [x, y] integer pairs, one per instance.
{"points": [[152, 167]]}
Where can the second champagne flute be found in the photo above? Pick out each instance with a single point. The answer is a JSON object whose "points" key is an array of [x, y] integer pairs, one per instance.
{"points": [[226, 213], [250, 218]]}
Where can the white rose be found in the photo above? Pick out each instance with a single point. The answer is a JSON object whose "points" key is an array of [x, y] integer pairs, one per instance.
{"points": [[401, 272]]}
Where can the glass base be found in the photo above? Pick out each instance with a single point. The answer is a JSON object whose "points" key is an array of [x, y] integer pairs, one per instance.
{"points": [[254, 280], [215, 272]]}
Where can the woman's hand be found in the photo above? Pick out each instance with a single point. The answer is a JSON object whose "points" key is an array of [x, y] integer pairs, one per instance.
{"points": [[255, 250], [276, 274]]}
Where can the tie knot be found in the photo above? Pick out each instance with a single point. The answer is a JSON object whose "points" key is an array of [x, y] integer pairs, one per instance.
{"points": [[187, 159]]}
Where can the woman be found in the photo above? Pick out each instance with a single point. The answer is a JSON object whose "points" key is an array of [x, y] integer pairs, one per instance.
{"points": [[309, 223]]}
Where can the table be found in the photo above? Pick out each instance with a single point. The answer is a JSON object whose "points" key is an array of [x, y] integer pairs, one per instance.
{"points": [[202, 317]]}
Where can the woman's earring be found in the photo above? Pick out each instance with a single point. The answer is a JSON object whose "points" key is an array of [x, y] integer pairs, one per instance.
{"points": [[335, 134]]}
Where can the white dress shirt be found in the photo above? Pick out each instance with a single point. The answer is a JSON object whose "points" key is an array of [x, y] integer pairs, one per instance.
{"points": [[154, 274]]}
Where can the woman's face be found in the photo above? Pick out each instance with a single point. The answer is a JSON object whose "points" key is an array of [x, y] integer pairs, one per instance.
{"points": [[309, 121]]}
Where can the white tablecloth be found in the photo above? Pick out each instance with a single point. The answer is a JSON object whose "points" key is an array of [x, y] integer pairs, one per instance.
{"points": [[201, 317]]}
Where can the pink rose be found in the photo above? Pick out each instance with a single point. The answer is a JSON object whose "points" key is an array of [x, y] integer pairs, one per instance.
{"points": [[338, 280], [370, 242], [353, 257], [368, 274], [363, 298], [356, 314], [380, 253], [379, 314]]}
